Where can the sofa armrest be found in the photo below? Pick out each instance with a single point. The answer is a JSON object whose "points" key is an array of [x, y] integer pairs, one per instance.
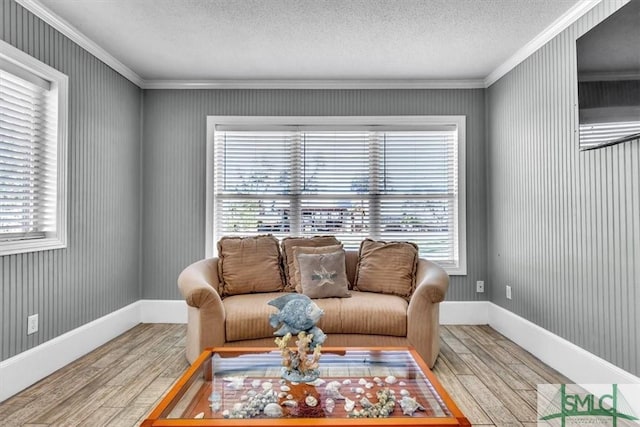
{"points": [[423, 314], [432, 282], [199, 285]]}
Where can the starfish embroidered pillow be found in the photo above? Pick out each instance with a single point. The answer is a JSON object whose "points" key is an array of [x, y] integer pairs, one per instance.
{"points": [[323, 275]]}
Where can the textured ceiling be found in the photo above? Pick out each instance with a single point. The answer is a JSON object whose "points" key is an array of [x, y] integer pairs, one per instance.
{"points": [[311, 39]]}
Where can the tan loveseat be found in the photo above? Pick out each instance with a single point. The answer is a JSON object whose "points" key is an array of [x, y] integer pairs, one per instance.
{"points": [[365, 319]]}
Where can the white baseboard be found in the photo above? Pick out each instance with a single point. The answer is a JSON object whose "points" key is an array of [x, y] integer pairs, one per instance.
{"points": [[464, 312], [163, 311], [581, 366], [574, 362], [29, 367]]}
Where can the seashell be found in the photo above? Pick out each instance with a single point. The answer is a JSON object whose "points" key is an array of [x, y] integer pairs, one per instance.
{"points": [[266, 386], [376, 379], [256, 383], [366, 403], [349, 404], [290, 403], [311, 401], [369, 385], [285, 388], [282, 395], [362, 381], [359, 390], [404, 392], [409, 405], [282, 381], [329, 405], [225, 413], [199, 415], [369, 395], [402, 384], [289, 396], [251, 393], [272, 410], [332, 390], [235, 383], [358, 396], [390, 379], [243, 398], [317, 382], [294, 383], [346, 382]]}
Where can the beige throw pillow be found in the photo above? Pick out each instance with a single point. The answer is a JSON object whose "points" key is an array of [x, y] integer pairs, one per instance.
{"points": [[297, 250], [323, 275], [249, 265], [288, 243], [387, 267]]}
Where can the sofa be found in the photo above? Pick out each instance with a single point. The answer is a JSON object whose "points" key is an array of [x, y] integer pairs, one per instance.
{"points": [[363, 319]]}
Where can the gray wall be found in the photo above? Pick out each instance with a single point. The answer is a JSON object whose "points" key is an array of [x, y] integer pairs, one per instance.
{"points": [[564, 225], [98, 272], [174, 165]]}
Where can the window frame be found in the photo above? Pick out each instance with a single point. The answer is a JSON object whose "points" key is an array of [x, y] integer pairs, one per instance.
{"points": [[396, 121], [60, 88]]}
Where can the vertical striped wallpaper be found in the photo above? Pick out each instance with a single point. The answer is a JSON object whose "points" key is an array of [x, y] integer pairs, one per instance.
{"points": [[98, 272], [564, 225], [174, 149]]}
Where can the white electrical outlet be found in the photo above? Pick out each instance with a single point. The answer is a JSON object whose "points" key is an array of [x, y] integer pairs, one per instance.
{"points": [[480, 286], [32, 324], [508, 292]]}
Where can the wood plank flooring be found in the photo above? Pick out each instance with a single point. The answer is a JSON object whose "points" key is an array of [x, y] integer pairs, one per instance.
{"points": [[492, 380]]}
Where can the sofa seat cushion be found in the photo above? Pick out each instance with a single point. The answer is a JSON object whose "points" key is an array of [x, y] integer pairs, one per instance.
{"points": [[373, 314], [247, 316]]}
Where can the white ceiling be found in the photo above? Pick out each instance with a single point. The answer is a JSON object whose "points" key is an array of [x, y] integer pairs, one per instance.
{"points": [[311, 39]]}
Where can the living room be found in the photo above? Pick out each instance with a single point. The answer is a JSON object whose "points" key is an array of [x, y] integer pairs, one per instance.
{"points": [[557, 225]]}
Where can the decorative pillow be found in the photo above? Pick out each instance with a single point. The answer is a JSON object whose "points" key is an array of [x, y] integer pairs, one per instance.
{"points": [[323, 275], [297, 250], [249, 265], [288, 243], [387, 267]]}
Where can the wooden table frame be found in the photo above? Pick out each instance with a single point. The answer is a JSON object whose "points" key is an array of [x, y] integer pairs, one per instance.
{"points": [[181, 386]]}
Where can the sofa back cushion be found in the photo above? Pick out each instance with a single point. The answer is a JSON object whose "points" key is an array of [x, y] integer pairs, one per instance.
{"points": [[387, 268], [288, 243], [249, 265]]}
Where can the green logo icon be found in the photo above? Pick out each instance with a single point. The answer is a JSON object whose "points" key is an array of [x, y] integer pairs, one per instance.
{"points": [[570, 404]]}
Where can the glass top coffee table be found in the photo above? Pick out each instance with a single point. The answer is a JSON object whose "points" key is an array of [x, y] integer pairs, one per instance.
{"points": [[243, 387]]}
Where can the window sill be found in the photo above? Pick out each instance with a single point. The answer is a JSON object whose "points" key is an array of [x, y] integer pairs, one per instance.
{"points": [[22, 246]]}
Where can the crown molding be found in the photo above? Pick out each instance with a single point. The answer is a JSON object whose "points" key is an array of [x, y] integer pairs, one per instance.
{"points": [[559, 25], [568, 18], [314, 84], [42, 12]]}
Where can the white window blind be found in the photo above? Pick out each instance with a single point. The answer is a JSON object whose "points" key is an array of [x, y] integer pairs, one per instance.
{"points": [[351, 182], [30, 202]]}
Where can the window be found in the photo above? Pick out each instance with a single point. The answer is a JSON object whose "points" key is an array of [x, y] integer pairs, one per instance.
{"points": [[33, 142], [388, 178]]}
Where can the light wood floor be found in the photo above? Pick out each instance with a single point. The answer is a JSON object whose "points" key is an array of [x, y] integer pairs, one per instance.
{"points": [[492, 380]]}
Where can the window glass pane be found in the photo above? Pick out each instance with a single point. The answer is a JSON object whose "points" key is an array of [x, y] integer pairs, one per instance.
{"points": [[246, 217], [430, 223], [254, 162], [346, 218], [418, 162], [335, 162]]}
